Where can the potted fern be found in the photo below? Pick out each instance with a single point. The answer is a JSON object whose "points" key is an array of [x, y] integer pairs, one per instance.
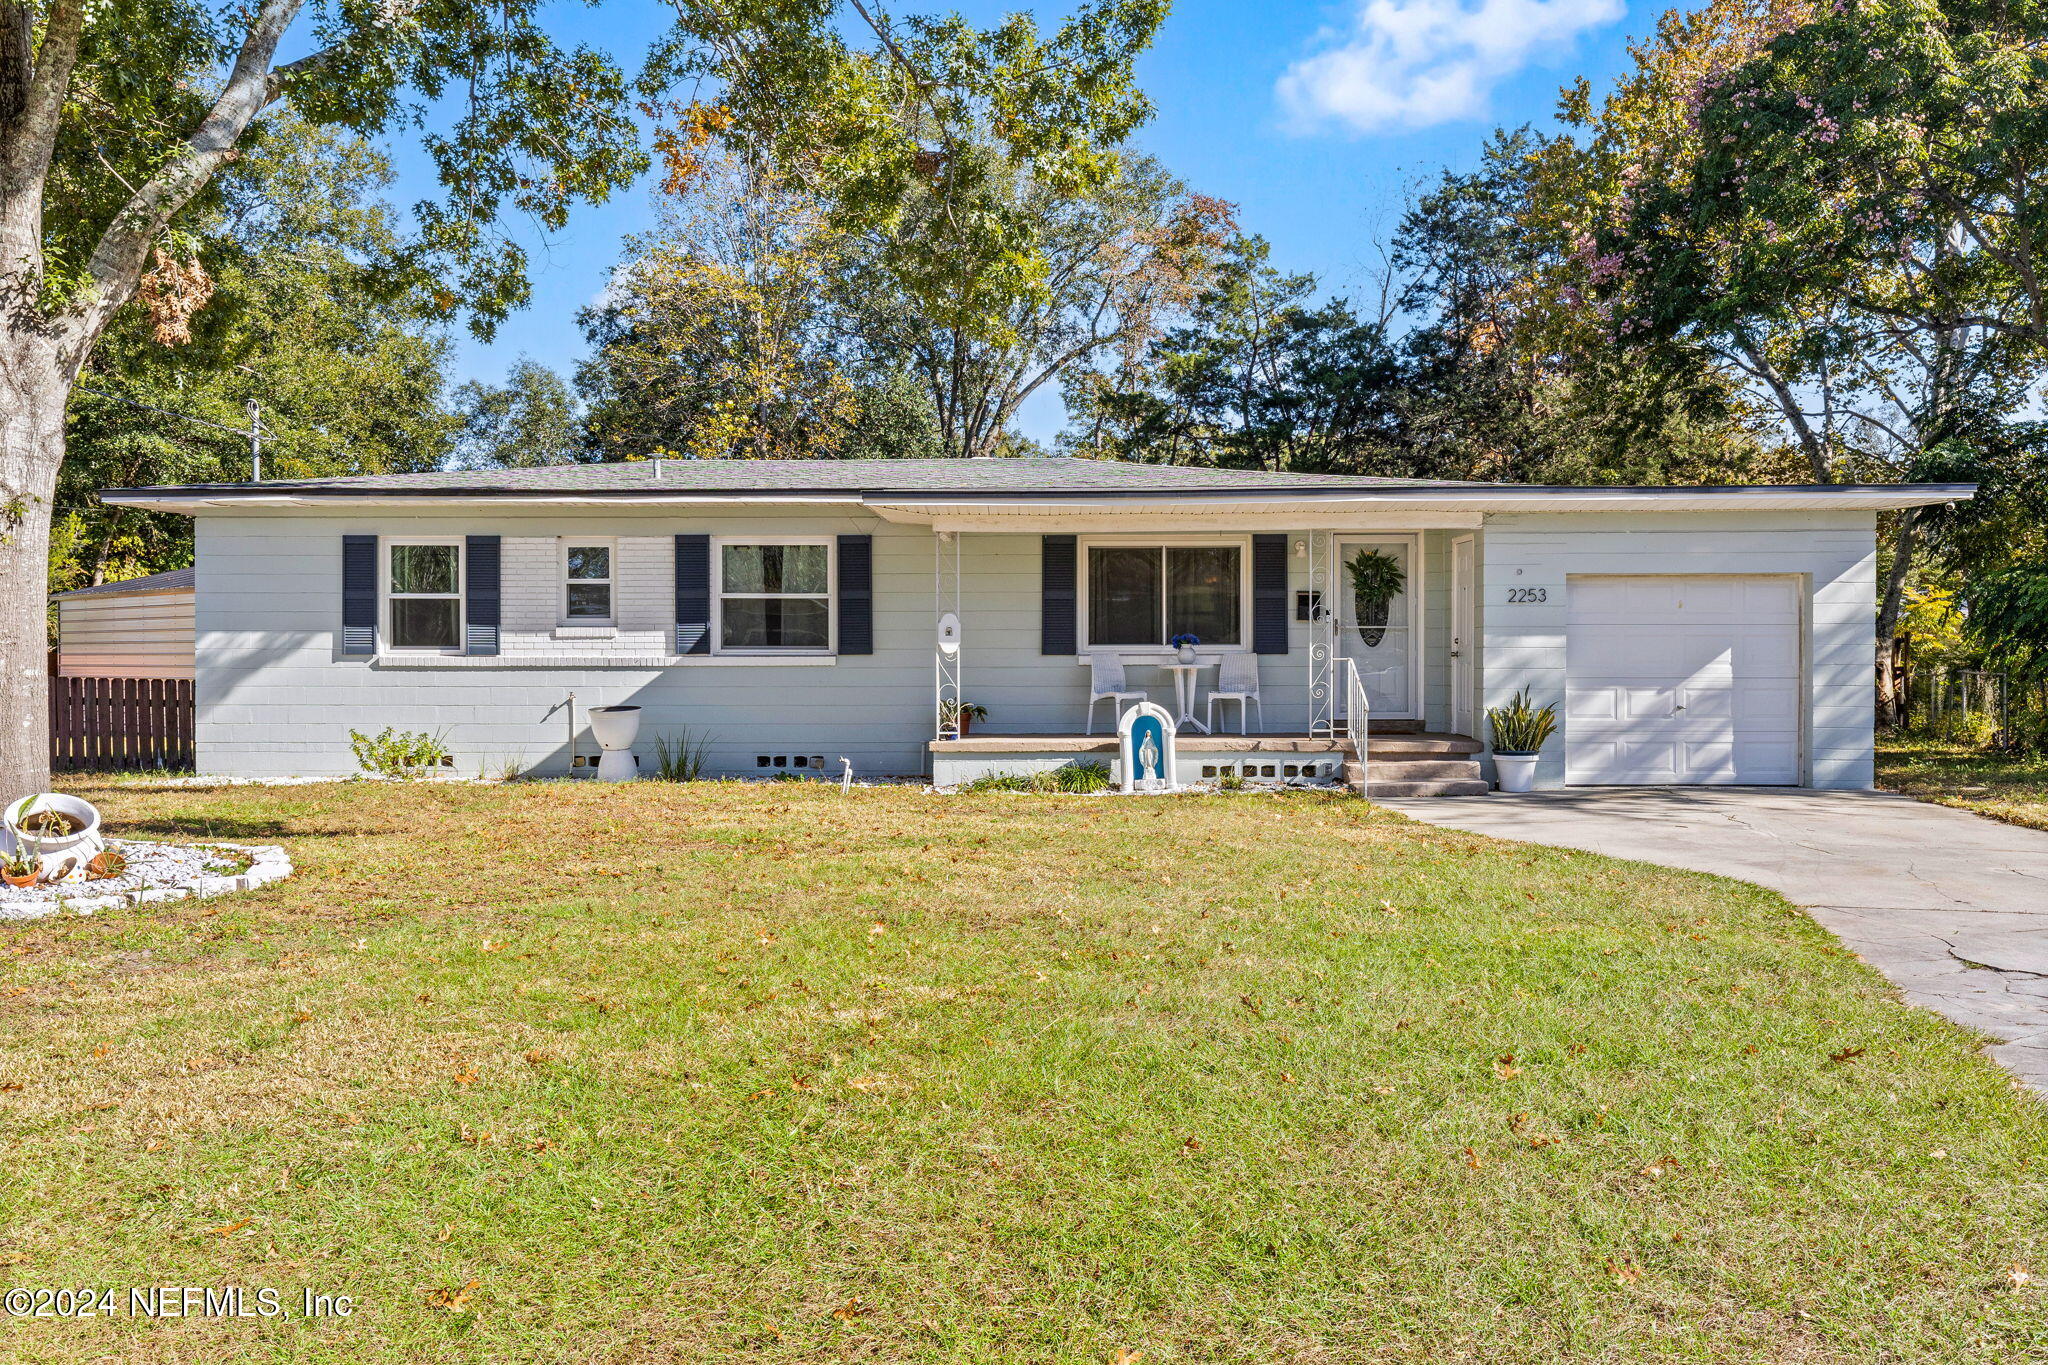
{"points": [[1376, 580], [1519, 730]]}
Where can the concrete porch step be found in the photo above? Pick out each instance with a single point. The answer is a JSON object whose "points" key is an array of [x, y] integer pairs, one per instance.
{"points": [[1403, 769], [1450, 787], [1382, 746]]}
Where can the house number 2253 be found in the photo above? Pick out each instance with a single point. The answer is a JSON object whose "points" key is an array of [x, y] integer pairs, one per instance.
{"points": [[1527, 595]]}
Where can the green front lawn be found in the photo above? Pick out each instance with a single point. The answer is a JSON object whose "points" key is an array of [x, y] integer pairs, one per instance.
{"points": [[763, 1073], [2010, 787]]}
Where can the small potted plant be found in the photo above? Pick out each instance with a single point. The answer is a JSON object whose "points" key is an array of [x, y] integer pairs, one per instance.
{"points": [[19, 867], [1519, 730], [959, 716], [1185, 644]]}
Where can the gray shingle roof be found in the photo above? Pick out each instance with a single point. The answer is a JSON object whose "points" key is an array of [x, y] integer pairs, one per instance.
{"points": [[979, 476], [156, 582]]}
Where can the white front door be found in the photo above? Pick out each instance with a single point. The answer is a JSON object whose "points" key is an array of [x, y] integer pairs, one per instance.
{"points": [[1682, 680], [1464, 636], [1384, 645]]}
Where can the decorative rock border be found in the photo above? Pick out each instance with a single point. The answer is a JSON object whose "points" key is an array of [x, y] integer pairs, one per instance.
{"points": [[267, 863]]}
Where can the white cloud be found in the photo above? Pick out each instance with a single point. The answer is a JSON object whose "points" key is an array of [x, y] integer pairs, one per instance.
{"points": [[1412, 63]]}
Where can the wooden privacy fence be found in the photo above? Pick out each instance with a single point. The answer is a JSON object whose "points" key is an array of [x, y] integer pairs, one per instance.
{"points": [[98, 724]]}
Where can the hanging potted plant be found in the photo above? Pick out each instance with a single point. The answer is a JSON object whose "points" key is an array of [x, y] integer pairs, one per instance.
{"points": [[1519, 731], [1376, 580]]}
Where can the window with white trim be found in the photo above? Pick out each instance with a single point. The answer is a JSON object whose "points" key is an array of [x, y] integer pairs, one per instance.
{"points": [[774, 596], [423, 594], [1145, 595], [587, 568]]}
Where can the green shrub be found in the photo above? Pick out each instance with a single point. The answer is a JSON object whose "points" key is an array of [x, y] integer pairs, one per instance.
{"points": [[1230, 782], [400, 753], [1083, 778], [1072, 778], [680, 758]]}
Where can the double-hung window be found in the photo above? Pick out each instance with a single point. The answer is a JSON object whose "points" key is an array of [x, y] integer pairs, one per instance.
{"points": [[423, 594], [775, 596], [587, 582], [1148, 594]]}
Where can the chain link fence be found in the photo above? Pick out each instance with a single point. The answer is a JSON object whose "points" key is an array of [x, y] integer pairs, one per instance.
{"points": [[1976, 706]]}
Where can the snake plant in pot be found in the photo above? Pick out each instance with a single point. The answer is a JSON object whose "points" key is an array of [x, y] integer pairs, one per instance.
{"points": [[1376, 580], [1519, 730]]}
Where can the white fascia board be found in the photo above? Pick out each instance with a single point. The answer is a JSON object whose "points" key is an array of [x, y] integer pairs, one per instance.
{"points": [[957, 511], [265, 502]]}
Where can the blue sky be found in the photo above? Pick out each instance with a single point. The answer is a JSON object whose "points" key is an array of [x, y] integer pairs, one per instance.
{"points": [[1315, 119]]}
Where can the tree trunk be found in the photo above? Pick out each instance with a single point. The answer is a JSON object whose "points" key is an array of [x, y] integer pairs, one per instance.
{"points": [[35, 382], [1905, 538]]}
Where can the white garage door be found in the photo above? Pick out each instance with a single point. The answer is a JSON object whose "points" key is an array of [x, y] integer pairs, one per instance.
{"points": [[1674, 680]]}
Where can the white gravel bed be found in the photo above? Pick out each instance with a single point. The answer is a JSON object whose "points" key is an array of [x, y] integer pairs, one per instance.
{"points": [[155, 872]]}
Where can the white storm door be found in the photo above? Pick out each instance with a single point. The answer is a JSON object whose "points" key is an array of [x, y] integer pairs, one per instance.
{"points": [[1386, 654], [1679, 680]]}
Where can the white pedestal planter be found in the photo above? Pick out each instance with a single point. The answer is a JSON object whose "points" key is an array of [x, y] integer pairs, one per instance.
{"points": [[1517, 772], [63, 856], [614, 728]]}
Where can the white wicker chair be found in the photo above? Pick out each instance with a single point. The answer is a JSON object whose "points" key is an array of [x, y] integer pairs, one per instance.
{"points": [[1106, 683], [1237, 679]]}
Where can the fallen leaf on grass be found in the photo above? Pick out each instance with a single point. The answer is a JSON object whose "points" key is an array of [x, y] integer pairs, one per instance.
{"points": [[849, 1311], [1845, 1056], [1193, 1144], [1624, 1272], [452, 1300], [1472, 1159], [2018, 1276], [1505, 1067], [466, 1076], [1660, 1166], [1127, 1357], [231, 1227], [539, 1056]]}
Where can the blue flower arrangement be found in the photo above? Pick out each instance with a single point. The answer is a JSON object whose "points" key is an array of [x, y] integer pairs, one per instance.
{"points": [[1184, 639]]}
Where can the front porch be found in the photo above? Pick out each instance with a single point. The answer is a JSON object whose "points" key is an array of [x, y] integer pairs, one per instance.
{"points": [[1403, 760], [1048, 627]]}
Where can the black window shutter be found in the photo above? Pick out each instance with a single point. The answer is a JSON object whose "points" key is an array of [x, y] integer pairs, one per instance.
{"points": [[1269, 594], [480, 594], [693, 594], [359, 594], [1056, 624], [856, 594]]}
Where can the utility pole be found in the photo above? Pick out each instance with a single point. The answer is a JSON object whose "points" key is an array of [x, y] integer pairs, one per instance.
{"points": [[255, 443]]}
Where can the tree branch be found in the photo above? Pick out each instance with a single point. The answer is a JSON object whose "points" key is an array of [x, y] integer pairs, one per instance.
{"points": [[117, 260]]}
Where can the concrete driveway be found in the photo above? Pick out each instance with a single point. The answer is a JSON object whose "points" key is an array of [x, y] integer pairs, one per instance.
{"points": [[1951, 906]]}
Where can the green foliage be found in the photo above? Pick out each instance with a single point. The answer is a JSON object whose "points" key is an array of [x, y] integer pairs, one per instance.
{"points": [[533, 418], [1376, 580], [344, 359], [2008, 616], [1231, 782], [1078, 778], [400, 753], [680, 757], [1519, 728]]}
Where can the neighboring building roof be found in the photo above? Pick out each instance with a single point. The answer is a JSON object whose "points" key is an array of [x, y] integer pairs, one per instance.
{"points": [[156, 582], [919, 489]]}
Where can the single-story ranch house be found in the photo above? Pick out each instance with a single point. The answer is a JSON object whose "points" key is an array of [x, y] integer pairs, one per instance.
{"points": [[789, 614]]}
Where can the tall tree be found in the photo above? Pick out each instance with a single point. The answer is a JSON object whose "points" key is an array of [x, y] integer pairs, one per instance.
{"points": [[1120, 260], [532, 418], [342, 359], [107, 140], [1835, 200]]}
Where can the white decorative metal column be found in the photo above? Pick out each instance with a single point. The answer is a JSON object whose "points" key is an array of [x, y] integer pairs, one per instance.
{"points": [[1322, 634], [946, 695]]}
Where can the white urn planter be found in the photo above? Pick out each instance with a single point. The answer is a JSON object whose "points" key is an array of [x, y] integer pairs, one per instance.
{"points": [[1517, 772], [614, 728], [1187, 654], [62, 857]]}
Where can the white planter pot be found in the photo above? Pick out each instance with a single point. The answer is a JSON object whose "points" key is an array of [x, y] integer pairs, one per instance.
{"points": [[62, 856], [1187, 654], [1517, 772], [614, 728]]}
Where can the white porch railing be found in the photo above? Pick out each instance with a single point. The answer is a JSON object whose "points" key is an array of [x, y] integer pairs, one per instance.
{"points": [[1356, 721]]}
